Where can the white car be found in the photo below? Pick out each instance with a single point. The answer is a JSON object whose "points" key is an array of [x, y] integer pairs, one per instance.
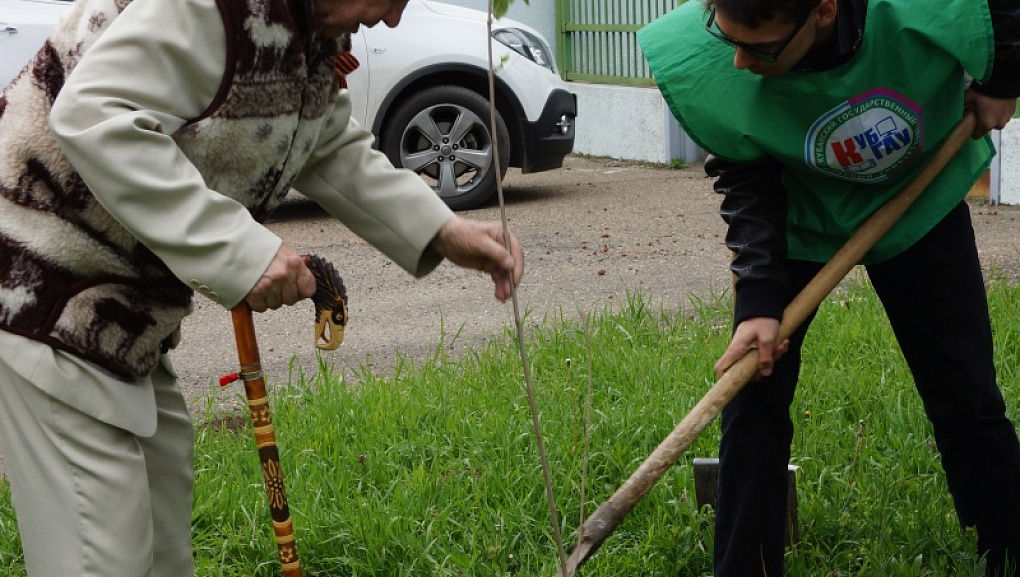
{"points": [[422, 88]]}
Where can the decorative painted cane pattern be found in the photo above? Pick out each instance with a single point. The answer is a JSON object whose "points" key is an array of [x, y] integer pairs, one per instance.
{"points": [[260, 415], [275, 491], [265, 439], [285, 545]]}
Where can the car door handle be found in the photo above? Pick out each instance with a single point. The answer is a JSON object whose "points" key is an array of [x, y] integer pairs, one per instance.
{"points": [[7, 29]]}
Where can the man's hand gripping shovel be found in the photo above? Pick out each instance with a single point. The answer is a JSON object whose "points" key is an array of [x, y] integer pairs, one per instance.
{"points": [[330, 302], [604, 520]]}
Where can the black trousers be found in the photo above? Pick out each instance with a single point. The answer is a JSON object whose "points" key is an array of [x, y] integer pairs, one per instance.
{"points": [[934, 296]]}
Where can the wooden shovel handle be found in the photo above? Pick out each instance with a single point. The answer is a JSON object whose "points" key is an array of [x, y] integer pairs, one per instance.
{"points": [[604, 520], [265, 438]]}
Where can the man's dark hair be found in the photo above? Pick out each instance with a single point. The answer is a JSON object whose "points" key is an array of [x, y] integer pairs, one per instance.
{"points": [[752, 13]]}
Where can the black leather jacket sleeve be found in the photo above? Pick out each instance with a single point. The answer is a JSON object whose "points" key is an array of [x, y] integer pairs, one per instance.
{"points": [[754, 206], [1005, 79]]}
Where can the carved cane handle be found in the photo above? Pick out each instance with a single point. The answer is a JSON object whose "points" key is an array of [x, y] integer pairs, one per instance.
{"points": [[330, 302]]}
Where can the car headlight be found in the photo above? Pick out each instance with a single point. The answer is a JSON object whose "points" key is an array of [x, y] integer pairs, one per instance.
{"points": [[526, 44]]}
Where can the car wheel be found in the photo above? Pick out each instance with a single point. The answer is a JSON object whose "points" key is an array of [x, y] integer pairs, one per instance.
{"points": [[443, 134]]}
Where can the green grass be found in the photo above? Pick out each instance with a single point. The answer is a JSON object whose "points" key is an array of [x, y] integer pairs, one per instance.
{"points": [[433, 469]]}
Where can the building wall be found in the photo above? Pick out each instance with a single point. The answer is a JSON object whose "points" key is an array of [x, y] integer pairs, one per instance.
{"points": [[630, 123], [621, 122], [1009, 163]]}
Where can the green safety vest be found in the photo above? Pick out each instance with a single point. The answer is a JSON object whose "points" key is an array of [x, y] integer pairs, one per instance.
{"points": [[849, 138]]}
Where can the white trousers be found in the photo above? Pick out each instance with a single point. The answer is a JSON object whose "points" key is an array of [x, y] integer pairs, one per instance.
{"points": [[92, 499]]}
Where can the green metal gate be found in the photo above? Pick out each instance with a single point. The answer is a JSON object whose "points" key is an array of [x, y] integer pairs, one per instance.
{"points": [[597, 39]]}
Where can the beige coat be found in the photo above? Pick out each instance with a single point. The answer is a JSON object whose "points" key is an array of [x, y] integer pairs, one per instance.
{"points": [[113, 121]]}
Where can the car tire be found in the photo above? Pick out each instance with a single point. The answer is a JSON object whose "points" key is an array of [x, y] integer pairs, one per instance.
{"points": [[443, 133]]}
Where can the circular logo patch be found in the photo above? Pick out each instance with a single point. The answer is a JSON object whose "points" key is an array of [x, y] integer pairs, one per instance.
{"points": [[866, 138]]}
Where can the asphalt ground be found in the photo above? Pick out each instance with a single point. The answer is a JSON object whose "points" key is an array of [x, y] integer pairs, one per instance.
{"points": [[592, 232]]}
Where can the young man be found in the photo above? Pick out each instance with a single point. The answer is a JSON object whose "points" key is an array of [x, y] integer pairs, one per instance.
{"points": [[177, 126], [816, 112]]}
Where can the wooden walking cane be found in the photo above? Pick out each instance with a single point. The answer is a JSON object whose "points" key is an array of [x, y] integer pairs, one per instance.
{"points": [[330, 302], [604, 520]]}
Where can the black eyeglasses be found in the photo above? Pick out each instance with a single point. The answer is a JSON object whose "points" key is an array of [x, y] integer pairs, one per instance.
{"points": [[767, 56]]}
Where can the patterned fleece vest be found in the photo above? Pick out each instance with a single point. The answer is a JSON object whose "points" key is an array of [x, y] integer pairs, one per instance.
{"points": [[70, 275]]}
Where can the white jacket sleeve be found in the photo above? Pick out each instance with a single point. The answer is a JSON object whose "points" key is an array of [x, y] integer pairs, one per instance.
{"points": [[159, 65], [393, 209]]}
